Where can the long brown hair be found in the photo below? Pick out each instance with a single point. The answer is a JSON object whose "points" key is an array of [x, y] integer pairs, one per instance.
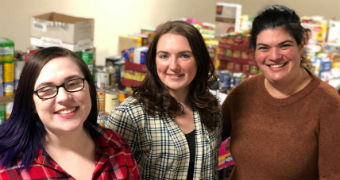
{"points": [[153, 94]]}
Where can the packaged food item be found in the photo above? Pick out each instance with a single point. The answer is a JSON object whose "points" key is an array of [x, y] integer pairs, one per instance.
{"points": [[224, 79], [6, 50], [101, 100], [8, 77], [102, 78], [111, 100]]}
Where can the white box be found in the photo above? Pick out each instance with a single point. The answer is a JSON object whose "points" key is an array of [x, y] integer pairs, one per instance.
{"points": [[67, 29], [333, 32], [48, 42], [228, 17]]}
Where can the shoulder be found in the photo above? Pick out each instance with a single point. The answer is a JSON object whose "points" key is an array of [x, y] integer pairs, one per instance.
{"points": [[245, 88], [129, 104], [248, 84], [109, 138], [11, 172], [328, 94], [130, 107]]}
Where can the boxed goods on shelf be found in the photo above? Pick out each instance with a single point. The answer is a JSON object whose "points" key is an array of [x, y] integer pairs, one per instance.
{"points": [[133, 74], [132, 41], [234, 53], [134, 67], [227, 18], [55, 29]]}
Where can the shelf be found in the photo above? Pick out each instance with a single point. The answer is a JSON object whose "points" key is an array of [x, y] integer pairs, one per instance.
{"points": [[234, 47], [129, 82], [135, 67], [6, 99], [236, 60]]}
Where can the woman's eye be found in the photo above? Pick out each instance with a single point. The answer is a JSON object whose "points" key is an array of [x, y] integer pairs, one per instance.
{"points": [[262, 48], [162, 56], [185, 56], [47, 88], [285, 45]]}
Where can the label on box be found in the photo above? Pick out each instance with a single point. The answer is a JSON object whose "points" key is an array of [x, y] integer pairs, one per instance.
{"points": [[48, 42], [39, 25]]}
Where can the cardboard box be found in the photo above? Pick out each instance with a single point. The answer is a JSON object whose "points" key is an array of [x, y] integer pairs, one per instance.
{"points": [[48, 42], [334, 32], [228, 17], [132, 41], [63, 28]]}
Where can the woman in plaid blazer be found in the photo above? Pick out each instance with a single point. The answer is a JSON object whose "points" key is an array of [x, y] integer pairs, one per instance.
{"points": [[172, 122]]}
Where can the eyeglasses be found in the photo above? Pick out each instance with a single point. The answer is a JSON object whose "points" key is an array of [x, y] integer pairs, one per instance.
{"points": [[51, 91]]}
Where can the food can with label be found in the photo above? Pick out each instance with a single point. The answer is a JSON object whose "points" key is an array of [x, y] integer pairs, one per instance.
{"points": [[6, 50], [87, 57], [101, 100], [102, 78], [111, 100], [8, 71], [224, 79]]}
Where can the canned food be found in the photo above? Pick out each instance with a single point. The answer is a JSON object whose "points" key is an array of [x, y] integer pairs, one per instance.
{"points": [[8, 71], [224, 79], [8, 88], [102, 78], [111, 100], [6, 50], [101, 100]]}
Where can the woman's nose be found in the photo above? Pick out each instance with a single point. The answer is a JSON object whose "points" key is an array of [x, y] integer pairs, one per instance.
{"points": [[173, 63], [275, 54], [62, 94]]}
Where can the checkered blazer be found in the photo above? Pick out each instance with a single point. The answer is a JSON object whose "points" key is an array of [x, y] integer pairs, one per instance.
{"points": [[159, 145]]}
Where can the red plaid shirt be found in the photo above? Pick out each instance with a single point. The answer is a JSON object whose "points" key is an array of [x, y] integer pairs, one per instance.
{"points": [[113, 161]]}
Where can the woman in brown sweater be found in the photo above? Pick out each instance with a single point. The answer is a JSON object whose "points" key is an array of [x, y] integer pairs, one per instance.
{"points": [[285, 122]]}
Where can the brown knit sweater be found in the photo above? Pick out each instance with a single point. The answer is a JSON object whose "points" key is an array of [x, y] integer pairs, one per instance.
{"points": [[293, 138]]}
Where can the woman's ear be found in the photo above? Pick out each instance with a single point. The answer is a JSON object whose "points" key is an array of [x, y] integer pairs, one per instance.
{"points": [[302, 49]]}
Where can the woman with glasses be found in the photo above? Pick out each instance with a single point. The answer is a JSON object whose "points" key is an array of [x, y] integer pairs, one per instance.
{"points": [[52, 132]]}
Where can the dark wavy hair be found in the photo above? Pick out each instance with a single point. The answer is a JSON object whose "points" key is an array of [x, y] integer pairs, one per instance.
{"points": [[22, 134], [152, 92], [277, 16]]}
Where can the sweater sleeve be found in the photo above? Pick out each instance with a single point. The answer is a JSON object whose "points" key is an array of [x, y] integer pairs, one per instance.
{"points": [[226, 119], [329, 139]]}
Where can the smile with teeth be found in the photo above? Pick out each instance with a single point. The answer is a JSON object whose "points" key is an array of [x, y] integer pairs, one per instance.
{"points": [[277, 65], [65, 111]]}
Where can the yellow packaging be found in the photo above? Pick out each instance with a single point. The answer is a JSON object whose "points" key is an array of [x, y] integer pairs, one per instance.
{"points": [[8, 72], [101, 100]]}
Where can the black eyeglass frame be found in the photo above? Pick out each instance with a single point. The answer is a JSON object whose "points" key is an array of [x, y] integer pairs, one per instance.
{"points": [[61, 85]]}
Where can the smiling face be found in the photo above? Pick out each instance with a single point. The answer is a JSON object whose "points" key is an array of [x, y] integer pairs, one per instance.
{"points": [[278, 55], [67, 111], [175, 63]]}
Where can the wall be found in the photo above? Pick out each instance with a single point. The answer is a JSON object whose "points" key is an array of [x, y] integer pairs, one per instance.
{"points": [[117, 17]]}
